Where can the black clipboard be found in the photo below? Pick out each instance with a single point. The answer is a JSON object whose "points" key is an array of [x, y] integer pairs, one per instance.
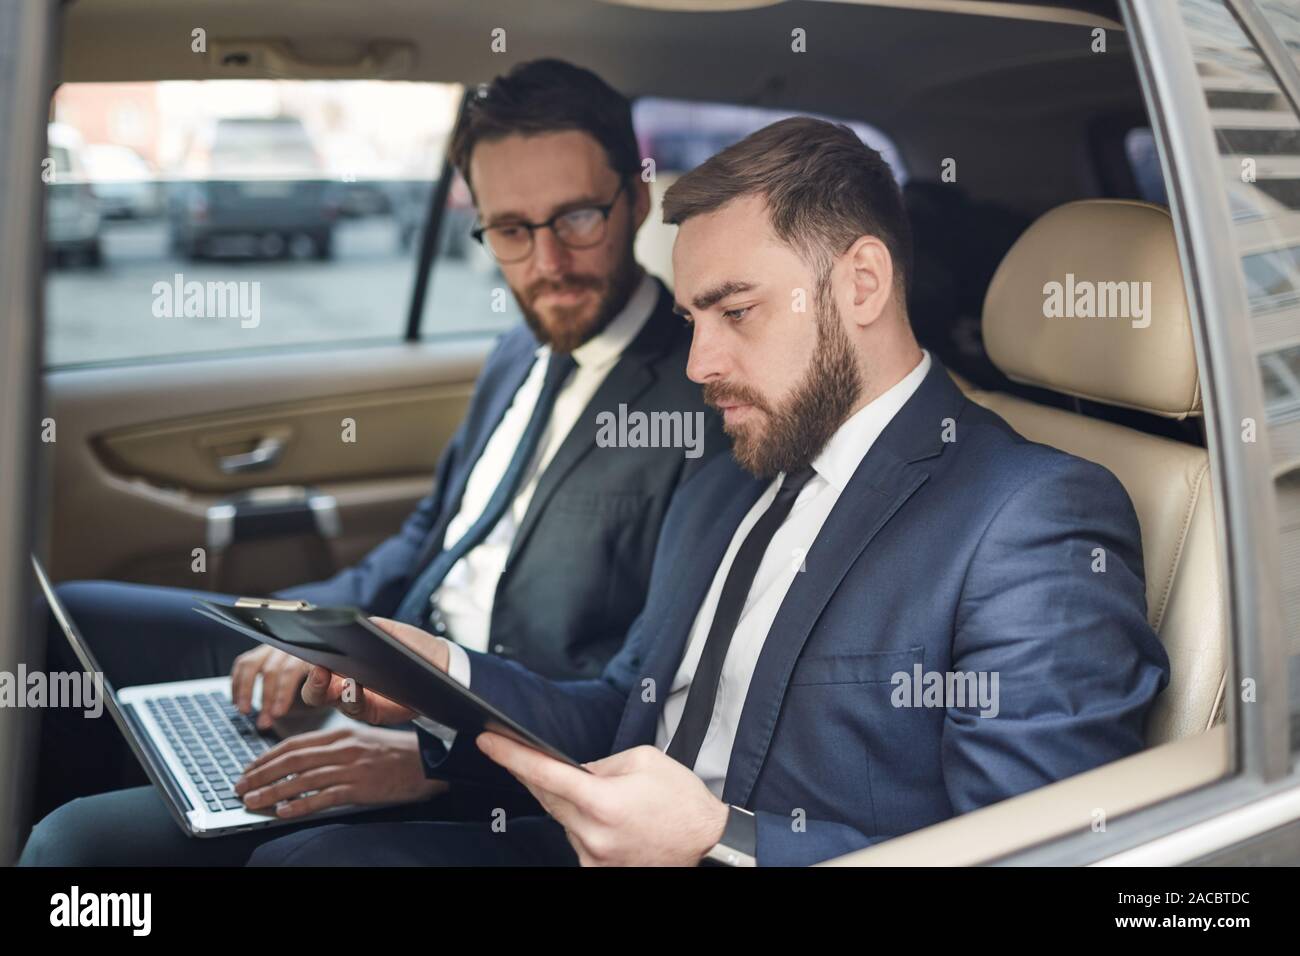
{"points": [[344, 641]]}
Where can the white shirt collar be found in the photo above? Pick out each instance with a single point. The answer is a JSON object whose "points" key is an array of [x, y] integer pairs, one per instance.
{"points": [[852, 440], [604, 349]]}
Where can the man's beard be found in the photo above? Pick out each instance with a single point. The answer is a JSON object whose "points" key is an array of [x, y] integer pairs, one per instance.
{"points": [[794, 434], [571, 327]]}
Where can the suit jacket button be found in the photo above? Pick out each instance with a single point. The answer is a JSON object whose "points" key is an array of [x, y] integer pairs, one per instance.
{"points": [[499, 648]]}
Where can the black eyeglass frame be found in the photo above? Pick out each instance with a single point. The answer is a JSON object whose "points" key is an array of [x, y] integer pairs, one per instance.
{"points": [[604, 209]]}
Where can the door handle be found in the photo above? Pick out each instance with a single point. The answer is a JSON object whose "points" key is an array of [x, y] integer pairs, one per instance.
{"points": [[265, 455]]}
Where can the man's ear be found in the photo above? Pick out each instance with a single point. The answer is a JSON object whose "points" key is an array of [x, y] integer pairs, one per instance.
{"points": [[870, 271]]}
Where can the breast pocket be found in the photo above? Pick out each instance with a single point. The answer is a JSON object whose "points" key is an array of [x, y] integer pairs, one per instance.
{"points": [[877, 667]]}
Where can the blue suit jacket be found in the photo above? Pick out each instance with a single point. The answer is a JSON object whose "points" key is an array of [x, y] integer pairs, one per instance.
{"points": [[973, 555], [579, 565]]}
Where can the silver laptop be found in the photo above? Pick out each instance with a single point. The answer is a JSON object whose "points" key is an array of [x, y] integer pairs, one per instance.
{"points": [[190, 738]]}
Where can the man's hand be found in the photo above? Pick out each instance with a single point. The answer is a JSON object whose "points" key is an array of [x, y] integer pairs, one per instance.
{"points": [[636, 808], [282, 675], [358, 766], [326, 689]]}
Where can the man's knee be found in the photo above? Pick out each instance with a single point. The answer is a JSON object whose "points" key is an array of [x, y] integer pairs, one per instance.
{"points": [[83, 598], [88, 603], [74, 596], [70, 836]]}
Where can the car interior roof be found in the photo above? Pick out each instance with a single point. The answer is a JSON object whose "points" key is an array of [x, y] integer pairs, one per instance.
{"points": [[866, 61]]}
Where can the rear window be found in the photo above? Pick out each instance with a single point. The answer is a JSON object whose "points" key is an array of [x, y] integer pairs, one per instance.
{"points": [[232, 215], [678, 135]]}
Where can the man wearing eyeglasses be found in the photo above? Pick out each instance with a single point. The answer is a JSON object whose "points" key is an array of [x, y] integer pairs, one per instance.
{"points": [[536, 542]]}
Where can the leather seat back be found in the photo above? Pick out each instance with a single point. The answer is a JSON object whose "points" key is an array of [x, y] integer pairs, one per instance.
{"points": [[1145, 362]]}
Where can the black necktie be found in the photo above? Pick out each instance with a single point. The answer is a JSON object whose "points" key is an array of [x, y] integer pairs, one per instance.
{"points": [[687, 740], [414, 608]]}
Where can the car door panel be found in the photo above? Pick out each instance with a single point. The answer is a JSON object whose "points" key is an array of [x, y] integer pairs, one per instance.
{"points": [[138, 457]]}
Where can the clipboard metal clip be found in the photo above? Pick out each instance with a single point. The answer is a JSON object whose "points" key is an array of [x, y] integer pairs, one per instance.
{"points": [[274, 604]]}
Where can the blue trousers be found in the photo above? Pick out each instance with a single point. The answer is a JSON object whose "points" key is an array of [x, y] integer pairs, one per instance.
{"points": [[132, 827], [522, 841]]}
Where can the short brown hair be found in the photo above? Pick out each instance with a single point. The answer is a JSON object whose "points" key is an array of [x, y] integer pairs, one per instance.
{"points": [[823, 186], [548, 96]]}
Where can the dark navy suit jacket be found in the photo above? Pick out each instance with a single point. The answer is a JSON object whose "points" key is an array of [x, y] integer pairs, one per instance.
{"points": [[976, 554], [579, 567]]}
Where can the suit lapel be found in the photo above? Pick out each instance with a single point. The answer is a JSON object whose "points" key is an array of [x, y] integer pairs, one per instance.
{"points": [[495, 407], [886, 478], [625, 383]]}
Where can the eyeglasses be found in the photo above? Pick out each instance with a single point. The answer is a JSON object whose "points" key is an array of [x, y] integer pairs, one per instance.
{"points": [[579, 228]]}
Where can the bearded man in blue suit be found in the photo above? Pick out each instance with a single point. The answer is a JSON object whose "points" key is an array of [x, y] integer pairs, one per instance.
{"points": [[871, 522]]}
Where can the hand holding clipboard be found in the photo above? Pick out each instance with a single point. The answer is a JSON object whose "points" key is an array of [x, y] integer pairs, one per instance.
{"points": [[324, 688]]}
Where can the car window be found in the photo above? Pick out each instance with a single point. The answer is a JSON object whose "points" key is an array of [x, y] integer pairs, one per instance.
{"points": [[680, 134], [62, 159], [1258, 138], [1283, 18], [199, 217], [1144, 161], [467, 294], [677, 135]]}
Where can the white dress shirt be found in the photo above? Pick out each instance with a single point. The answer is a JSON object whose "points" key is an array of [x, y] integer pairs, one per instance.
{"points": [[783, 559]]}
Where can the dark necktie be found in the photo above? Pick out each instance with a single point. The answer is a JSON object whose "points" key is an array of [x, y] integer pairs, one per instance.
{"points": [[689, 736], [414, 608]]}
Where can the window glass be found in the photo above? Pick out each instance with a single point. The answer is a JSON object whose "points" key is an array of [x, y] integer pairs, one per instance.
{"points": [[1258, 138], [1140, 147], [192, 217], [467, 293], [679, 135], [1283, 17]]}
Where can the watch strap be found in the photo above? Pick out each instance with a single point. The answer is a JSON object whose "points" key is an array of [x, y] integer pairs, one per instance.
{"points": [[739, 843]]}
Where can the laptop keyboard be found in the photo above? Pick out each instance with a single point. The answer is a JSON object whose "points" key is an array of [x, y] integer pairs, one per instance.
{"points": [[213, 740]]}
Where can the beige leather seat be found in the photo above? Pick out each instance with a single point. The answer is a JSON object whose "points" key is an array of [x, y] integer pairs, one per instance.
{"points": [[1153, 369]]}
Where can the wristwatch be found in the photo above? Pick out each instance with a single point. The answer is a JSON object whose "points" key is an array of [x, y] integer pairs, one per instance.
{"points": [[739, 842]]}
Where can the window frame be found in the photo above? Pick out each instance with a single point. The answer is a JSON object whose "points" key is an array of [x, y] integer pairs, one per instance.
{"points": [[432, 234], [28, 44]]}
